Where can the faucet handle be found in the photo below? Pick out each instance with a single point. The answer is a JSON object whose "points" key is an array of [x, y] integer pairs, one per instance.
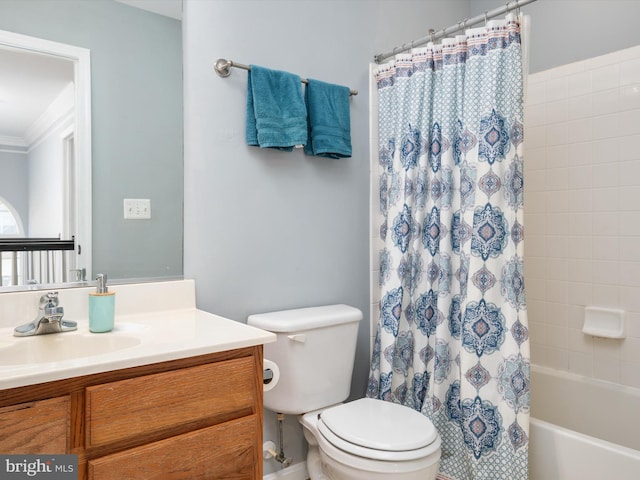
{"points": [[49, 300], [81, 274]]}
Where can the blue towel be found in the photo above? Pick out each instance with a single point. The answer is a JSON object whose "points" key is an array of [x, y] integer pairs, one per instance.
{"points": [[329, 125], [276, 112]]}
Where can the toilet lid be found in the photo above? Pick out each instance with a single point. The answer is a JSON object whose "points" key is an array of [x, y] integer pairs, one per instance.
{"points": [[378, 425]]}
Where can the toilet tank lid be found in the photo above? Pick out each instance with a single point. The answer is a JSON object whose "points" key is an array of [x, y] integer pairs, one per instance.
{"points": [[305, 318]]}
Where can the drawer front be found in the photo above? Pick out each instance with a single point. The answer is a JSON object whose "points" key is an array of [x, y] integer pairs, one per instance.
{"points": [[35, 427], [222, 452], [162, 403]]}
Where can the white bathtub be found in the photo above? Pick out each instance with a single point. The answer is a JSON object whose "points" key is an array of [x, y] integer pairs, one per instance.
{"points": [[582, 428]]}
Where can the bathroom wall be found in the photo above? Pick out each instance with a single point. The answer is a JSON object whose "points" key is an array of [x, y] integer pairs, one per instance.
{"points": [[266, 230], [582, 214]]}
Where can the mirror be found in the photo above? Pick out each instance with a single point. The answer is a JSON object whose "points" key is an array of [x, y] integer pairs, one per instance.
{"points": [[136, 126], [45, 157]]}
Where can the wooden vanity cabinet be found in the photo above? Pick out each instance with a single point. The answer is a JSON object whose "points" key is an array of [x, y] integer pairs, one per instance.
{"points": [[35, 427], [193, 418]]}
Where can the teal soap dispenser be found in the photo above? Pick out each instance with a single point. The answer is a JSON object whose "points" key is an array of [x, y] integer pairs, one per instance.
{"points": [[102, 304]]}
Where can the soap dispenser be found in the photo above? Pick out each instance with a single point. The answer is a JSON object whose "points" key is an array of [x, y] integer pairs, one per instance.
{"points": [[101, 306]]}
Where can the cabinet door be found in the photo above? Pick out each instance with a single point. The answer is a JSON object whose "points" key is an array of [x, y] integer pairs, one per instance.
{"points": [[162, 402], [228, 451], [35, 427]]}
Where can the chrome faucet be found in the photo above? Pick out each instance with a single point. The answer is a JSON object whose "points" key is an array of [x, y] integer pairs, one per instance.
{"points": [[48, 320]]}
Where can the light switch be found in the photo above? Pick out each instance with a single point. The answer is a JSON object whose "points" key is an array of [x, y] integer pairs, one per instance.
{"points": [[137, 208]]}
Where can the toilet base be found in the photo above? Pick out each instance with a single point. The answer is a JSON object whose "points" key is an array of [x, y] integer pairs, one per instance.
{"points": [[325, 462], [322, 467]]}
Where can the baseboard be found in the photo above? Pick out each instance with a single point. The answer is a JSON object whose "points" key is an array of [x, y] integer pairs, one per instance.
{"points": [[297, 471]]}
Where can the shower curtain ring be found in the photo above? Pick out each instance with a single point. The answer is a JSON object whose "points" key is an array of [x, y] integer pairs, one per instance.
{"points": [[485, 18], [431, 34]]}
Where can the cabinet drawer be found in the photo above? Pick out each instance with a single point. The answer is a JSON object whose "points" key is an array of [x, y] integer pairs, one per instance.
{"points": [[221, 452], [150, 405], [35, 427]]}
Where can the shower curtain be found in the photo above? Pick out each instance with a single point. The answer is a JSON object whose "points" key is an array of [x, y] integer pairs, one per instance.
{"points": [[452, 337]]}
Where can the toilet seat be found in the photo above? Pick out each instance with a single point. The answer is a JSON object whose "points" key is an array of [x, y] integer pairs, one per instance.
{"points": [[379, 430]]}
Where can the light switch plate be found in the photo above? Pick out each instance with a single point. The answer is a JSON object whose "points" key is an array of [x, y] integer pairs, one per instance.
{"points": [[137, 208]]}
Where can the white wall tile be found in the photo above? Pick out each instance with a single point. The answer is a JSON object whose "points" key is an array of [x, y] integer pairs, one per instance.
{"points": [[630, 72], [629, 172], [606, 126], [535, 115], [579, 270], [605, 272], [557, 201], [630, 374], [557, 89], [605, 199], [605, 78], [580, 107], [606, 150], [580, 177], [591, 253], [557, 133], [557, 112], [579, 84], [581, 154], [629, 97], [557, 156], [579, 130], [629, 122], [581, 363]]}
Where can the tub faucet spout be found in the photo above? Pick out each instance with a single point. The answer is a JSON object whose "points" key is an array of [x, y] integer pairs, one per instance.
{"points": [[48, 320]]}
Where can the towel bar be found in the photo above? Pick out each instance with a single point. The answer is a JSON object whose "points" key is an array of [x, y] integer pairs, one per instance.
{"points": [[223, 69]]}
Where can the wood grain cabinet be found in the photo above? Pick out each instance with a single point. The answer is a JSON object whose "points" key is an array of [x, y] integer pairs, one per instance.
{"points": [[193, 418], [35, 427]]}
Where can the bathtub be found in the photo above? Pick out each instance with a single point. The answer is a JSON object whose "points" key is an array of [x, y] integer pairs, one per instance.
{"points": [[582, 428]]}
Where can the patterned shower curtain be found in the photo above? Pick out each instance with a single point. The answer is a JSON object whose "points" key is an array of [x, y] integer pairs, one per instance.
{"points": [[452, 338]]}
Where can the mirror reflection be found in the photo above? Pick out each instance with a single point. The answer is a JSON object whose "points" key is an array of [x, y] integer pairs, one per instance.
{"points": [[134, 101], [40, 236]]}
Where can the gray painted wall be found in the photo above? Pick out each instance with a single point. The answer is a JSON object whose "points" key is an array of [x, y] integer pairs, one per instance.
{"points": [[566, 31], [266, 230], [136, 61]]}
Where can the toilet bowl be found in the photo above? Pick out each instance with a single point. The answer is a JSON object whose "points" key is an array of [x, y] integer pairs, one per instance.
{"points": [[365, 439], [370, 439]]}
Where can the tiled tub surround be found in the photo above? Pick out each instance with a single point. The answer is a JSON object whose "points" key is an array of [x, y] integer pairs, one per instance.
{"points": [[582, 215]]}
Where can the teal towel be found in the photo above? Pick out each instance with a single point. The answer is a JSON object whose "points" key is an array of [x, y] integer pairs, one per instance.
{"points": [[329, 123], [276, 112]]}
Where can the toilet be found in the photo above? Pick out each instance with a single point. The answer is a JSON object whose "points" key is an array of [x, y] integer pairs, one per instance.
{"points": [[365, 439]]}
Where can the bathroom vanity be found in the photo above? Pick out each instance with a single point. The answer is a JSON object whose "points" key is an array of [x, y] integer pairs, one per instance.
{"points": [[183, 403]]}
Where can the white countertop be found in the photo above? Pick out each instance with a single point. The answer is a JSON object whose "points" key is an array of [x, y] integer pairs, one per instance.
{"points": [[139, 338]]}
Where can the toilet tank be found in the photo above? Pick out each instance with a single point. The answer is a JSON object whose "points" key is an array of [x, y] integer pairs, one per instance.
{"points": [[314, 351]]}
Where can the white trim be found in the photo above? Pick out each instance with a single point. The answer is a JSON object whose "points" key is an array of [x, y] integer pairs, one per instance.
{"points": [[81, 58], [13, 141], [297, 471], [57, 113]]}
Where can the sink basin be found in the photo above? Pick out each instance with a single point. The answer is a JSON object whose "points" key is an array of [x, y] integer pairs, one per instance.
{"points": [[61, 346]]}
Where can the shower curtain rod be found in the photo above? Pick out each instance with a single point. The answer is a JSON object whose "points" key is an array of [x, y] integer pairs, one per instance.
{"points": [[467, 22], [223, 69]]}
